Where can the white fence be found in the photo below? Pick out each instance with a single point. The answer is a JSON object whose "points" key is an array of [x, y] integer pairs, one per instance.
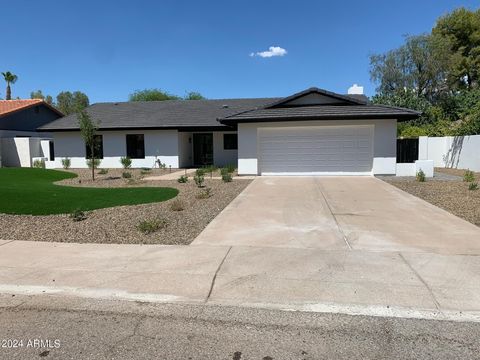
{"points": [[462, 152]]}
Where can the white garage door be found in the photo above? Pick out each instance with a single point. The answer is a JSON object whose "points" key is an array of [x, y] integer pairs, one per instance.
{"points": [[316, 150]]}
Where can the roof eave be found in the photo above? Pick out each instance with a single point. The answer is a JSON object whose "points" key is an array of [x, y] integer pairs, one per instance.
{"points": [[398, 117]]}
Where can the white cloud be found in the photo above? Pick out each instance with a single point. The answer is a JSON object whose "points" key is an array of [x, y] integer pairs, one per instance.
{"points": [[271, 52]]}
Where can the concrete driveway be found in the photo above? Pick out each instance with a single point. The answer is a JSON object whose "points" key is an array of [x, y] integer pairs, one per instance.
{"points": [[338, 213]]}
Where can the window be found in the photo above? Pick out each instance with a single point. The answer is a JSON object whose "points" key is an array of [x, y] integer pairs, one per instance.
{"points": [[136, 146], [230, 142], [52, 150], [97, 148]]}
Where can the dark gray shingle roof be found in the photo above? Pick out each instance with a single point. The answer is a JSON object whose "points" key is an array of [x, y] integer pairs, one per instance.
{"points": [[178, 114], [367, 111], [160, 114]]}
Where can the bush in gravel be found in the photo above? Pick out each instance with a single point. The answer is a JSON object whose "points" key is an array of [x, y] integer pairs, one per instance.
{"points": [[150, 226], [204, 194], [66, 163], [227, 178], [78, 215], [473, 186], [200, 172], [210, 169], [39, 164], [224, 171], [126, 162], [420, 176], [95, 163], [230, 168], [199, 180], [126, 175], [145, 171], [103, 171], [176, 205], [182, 179], [469, 176]]}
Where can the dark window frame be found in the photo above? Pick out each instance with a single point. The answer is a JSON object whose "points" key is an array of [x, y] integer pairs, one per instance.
{"points": [[231, 143], [97, 148], [51, 149], [135, 144]]}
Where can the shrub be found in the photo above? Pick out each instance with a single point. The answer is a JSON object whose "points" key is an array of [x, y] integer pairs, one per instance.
{"points": [[230, 168], [227, 178], [224, 171], [66, 163], [183, 179], [126, 162], [210, 169], [199, 180], [420, 176], [176, 205], [473, 186], [205, 193], [469, 176], [145, 171], [78, 215], [39, 163], [126, 175], [160, 164], [96, 163], [103, 171], [200, 172], [150, 226]]}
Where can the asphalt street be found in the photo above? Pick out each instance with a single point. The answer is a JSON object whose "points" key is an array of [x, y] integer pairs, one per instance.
{"points": [[53, 327]]}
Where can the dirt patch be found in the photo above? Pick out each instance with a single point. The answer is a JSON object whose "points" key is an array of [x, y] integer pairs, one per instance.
{"points": [[453, 195], [119, 224], [456, 172]]}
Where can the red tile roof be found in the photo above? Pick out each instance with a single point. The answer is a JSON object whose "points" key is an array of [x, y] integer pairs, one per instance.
{"points": [[11, 106]]}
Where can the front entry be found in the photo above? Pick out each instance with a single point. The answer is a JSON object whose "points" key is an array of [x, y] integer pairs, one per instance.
{"points": [[203, 149]]}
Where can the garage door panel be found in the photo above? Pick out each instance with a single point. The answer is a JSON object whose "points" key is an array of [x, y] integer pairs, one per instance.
{"points": [[345, 149]]}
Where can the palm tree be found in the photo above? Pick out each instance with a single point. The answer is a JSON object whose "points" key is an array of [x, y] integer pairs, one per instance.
{"points": [[10, 79]]}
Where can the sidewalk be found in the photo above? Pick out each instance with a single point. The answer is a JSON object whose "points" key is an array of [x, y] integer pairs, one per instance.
{"points": [[418, 285]]}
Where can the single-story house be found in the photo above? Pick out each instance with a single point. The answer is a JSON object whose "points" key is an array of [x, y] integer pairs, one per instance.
{"points": [[20, 141], [311, 132]]}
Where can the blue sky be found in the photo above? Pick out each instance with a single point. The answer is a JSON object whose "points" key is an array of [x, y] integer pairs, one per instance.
{"points": [[108, 49]]}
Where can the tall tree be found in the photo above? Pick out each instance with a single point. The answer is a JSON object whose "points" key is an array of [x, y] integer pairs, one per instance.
{"points": [[461, 28], [37, 95], [194, 95], [69, 103], [152, 95], [10, 79], [88, 130], [419, 65]]}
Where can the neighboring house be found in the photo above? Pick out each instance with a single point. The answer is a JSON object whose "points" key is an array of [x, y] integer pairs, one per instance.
{"points": [[311, 132], [19, 138]]}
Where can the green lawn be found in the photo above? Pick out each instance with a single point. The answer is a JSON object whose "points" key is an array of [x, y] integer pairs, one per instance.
{"points": [[31, 191]]}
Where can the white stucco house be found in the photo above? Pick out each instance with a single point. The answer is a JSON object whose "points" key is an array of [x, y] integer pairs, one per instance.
{"points": [[313, 132]]}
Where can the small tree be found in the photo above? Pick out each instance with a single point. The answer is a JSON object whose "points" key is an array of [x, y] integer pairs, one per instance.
{"points": [[88, 130]]}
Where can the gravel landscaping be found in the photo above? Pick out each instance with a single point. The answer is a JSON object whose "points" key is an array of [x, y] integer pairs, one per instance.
{"points": [[451, 195], [119, 224]]}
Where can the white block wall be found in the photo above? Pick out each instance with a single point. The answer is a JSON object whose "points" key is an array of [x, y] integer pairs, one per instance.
{"points": [[461, 152]]}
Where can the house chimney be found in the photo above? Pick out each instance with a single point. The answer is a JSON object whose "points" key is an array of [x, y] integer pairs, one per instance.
{"points": [[355, 90]]}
